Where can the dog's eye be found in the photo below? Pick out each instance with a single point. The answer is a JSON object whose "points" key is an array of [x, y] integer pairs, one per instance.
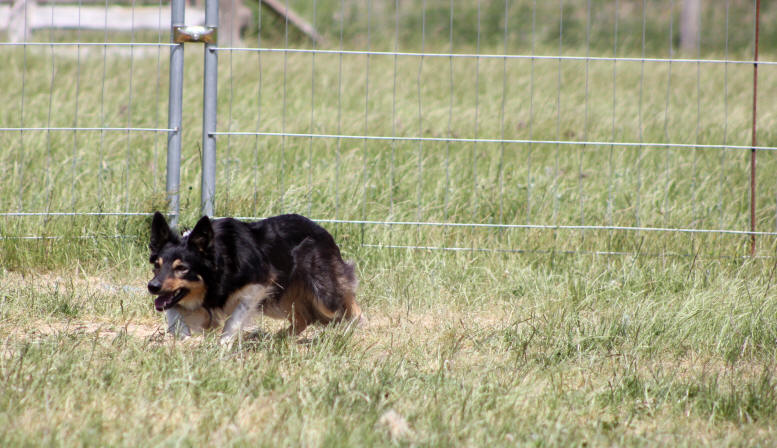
{"points": [[181, 268]]}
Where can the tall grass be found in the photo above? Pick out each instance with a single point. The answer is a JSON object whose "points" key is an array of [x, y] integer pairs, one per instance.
{"points": [[537, 339], [595, 184]]}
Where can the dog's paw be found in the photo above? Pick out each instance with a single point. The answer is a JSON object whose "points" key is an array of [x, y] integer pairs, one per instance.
{"points": [[179, 332], [226, 340]]}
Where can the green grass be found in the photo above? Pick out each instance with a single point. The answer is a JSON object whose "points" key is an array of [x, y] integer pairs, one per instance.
{"points": [[467, 349], [673, 343], [511, 183]]}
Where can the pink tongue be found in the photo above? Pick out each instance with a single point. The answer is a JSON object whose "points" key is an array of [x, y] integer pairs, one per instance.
{"points": [[161, 301]]}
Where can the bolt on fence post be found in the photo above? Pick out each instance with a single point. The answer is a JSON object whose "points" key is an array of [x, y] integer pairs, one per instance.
{"points": [[175, 106], [210, 90]]}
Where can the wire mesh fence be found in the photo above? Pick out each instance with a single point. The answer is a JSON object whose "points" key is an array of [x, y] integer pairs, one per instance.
{"points": [[84, 121], [566, 126], [519, 126]]}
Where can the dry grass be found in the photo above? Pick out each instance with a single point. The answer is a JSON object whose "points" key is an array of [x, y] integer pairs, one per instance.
{"points": [[671, 345], [457, 361]]}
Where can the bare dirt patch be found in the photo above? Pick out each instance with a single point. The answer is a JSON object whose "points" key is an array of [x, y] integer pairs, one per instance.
{"points": [[103, 329]]}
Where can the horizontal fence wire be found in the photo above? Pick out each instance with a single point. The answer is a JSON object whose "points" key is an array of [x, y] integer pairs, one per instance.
{"points": [[600, 253], [498, 140], [87, 44], [83, 125], [64, 237], [528, 226], [124, 148], [80, 129], [494, 56], [57, 214], [297, 89]]}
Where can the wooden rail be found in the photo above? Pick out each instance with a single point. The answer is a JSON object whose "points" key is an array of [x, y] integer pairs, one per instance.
{"points": [[21, 17]]}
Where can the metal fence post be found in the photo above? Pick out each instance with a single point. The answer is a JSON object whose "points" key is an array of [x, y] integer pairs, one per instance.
{"points": [[210, 90], [175, 105]]}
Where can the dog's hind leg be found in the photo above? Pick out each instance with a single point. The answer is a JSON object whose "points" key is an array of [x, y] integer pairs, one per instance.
{"points": [[299, 322], [331, 281]]}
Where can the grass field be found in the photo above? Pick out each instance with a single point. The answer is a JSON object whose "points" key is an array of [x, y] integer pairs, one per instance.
{"points": [[516, 342]]}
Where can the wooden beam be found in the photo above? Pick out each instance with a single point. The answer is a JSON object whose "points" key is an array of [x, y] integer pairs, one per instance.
{"points": [[279, 8], [115, 18]]}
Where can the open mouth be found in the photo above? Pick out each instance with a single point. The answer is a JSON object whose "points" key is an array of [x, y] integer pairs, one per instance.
{"points": [[167, 300]]}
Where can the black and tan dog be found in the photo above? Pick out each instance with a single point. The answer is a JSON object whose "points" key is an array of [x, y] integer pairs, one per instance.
{"points": [[226, 271]]}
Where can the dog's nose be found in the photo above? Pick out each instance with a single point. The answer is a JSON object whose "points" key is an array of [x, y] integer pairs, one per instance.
{"points": [[154, 287]]}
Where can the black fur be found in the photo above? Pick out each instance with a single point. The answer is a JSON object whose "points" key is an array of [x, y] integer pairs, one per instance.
{"points": [[228, 254]]}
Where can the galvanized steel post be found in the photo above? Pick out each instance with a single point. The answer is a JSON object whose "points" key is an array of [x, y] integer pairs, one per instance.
{"points": [[210, 90], [175, 106]]}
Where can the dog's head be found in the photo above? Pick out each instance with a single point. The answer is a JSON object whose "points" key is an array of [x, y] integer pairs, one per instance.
{"points": [[180, 264]]}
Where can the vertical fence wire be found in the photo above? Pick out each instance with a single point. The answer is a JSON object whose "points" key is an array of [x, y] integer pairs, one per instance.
{"points": [[559, 79], [312, 113], [230, 165], [668, 158], [477, 121], [500, 169], [392, 166], [753, 152], [492, 183], [582, 150], [101, 147], [338, 148], [21, 151], [283, 113], [447, 194], [128, 151], [694, 209], [365, 143], [75, 115], [55, 168], [722, 176], [49, 179], [529, 184], [610, 162], [259, 78], [640, 125], [157, 98], [419, 188]]}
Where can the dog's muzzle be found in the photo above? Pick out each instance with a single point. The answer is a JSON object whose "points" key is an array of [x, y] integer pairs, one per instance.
{"points": [[167, 300]]}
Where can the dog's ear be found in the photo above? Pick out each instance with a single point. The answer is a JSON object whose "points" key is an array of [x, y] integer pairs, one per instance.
{"points": [[160, 233], [201, 237]]}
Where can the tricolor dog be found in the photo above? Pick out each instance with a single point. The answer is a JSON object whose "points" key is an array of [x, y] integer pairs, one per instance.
{"points": [[226, 271]]}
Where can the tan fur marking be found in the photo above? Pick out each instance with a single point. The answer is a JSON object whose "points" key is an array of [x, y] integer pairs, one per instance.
{"points": [[352, 310], [196, 291], [176, 263], [324, 311], [299, 323]]}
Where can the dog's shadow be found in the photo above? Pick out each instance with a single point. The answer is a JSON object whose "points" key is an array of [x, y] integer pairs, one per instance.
{"points": [[260, 339]]}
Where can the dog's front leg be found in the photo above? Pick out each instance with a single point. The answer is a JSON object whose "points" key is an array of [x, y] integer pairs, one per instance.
{"points": [[234, 325], [248, 299], [176, 325]]}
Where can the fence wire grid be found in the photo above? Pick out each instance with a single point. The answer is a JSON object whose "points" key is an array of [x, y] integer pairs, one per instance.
{"points": [[613, 128]]}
